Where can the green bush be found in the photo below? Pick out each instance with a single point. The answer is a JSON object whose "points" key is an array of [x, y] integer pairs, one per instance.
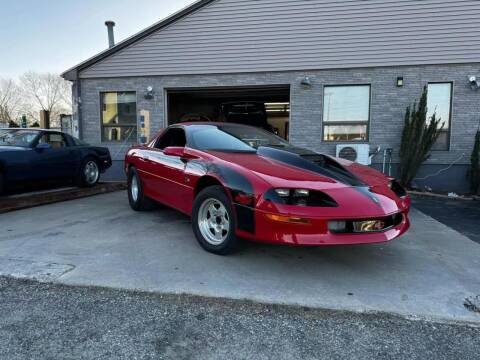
{"points": [[475, 166], [418, 137]]}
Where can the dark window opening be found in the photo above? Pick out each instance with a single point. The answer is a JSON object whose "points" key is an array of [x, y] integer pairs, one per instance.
{"points": [[55, 140], [173, 137]]}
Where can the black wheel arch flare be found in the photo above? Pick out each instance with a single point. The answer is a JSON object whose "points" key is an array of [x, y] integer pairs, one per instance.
{"points": [[237, 184]]}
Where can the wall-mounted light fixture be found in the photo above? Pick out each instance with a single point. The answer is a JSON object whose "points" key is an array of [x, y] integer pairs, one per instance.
{"points": [[400, 81], [306, 82], [474, 83], [149, 93]]}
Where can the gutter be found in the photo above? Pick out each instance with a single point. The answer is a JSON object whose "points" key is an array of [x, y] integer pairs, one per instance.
{"points": [[77, 100]]}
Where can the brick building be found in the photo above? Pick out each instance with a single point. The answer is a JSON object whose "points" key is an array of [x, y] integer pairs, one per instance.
{"points": [[329, 73]]}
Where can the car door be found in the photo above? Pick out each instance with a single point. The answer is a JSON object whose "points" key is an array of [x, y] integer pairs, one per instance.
{"points": [[58, 160], [164, 175]]}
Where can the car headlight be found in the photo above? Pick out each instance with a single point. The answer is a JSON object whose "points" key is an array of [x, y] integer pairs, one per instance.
{"points": [[297, 197], [300, 197], [284, 193]]}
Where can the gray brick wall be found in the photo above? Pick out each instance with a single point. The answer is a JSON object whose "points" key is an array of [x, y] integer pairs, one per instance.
{"points": [[387, 109]]}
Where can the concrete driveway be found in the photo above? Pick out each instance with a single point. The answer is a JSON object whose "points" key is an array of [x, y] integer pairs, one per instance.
{"points": [[100, 241]]}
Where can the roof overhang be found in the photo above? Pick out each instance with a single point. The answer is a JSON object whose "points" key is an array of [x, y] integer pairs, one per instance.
{"points": [[72, 73]]}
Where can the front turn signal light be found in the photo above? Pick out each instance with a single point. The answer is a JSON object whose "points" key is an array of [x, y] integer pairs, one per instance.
{"points": [[287, 219]]}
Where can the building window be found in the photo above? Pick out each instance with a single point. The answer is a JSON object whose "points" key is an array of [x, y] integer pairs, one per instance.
{"points": [[346, 113], [119, 116], [439, 102]]}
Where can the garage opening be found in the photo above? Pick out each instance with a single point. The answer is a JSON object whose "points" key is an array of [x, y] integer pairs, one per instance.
{"points": [[264, 107]]}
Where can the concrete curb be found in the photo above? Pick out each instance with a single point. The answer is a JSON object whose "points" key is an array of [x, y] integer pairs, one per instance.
{"points": [[20, 202]]}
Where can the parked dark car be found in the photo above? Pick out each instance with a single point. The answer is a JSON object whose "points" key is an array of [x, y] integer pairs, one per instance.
{"points": [[34, 156]]}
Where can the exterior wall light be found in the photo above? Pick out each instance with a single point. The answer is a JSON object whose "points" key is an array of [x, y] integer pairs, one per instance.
{"points": [[400, 81], [306, 82], [474, 83], [149, 93]]}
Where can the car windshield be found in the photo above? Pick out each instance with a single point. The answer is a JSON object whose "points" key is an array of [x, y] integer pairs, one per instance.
{"points": [[16, 137], [231, 138], [78, 142]]}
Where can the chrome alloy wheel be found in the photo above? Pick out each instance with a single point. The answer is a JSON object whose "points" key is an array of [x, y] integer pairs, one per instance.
{"points": [[91, 172], [213, 221], [134, 188]]}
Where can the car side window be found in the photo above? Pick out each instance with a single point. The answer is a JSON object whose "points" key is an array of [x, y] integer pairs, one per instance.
{"points": [[172, 137], [55, 140]]}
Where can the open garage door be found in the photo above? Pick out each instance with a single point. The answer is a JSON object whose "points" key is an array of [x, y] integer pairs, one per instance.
{"points": [[267, 107]]}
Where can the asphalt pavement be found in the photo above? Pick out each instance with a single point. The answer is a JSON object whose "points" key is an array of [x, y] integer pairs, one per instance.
{"points": [[48, 321], [100, 241], [461, 215]]}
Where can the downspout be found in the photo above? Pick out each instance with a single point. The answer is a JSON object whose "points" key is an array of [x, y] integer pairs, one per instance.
{"points": [[78, 93]]}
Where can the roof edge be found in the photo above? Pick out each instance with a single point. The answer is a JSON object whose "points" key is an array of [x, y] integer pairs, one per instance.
{"points": [[72, 73]]}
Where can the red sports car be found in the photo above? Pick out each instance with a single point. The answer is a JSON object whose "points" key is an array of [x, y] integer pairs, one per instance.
{"points": [[241, 182]]}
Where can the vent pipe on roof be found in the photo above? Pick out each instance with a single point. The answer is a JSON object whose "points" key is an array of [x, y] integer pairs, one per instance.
{"points": [[111, 38]]}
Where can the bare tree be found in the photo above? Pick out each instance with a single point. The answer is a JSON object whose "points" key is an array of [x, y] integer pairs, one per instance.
{"points": [[10, 100], [48, 92]]}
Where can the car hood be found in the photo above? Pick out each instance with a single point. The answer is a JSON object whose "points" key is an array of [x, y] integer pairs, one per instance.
{"points": [[282, 166], [360, 189]]}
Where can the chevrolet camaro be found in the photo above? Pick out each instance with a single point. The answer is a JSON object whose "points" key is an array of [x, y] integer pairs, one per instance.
{"points": [[240, 182]]}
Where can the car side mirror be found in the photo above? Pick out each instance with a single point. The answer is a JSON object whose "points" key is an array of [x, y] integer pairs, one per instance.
{"points": [[174, 151], [42, 146]]}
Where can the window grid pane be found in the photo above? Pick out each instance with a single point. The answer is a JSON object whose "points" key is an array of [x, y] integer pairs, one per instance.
{"points": [[346, 113], [439, 102], [345, 132], [119, 116]]}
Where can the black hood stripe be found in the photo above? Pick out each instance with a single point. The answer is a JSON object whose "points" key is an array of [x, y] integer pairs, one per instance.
{"points": [[308, 160], [320, 164]]}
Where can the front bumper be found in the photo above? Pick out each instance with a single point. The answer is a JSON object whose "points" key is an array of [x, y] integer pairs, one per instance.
{"points": [[105, 163], [315, 231]]}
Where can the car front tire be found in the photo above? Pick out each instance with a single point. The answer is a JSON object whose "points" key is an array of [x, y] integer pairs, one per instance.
{"points": [[213, 222], [137, 199]]}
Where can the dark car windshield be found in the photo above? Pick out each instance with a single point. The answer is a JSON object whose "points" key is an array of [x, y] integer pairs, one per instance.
{"points": [[17, 137], [231, 138], [78, 142]]}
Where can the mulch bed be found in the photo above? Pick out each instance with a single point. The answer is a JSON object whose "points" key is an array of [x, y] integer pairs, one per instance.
{"points": [[24, 201]]}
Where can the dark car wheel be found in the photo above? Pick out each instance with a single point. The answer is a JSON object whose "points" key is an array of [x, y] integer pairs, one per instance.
{"points": [[89, 173], [213, 221], [137, 199]]}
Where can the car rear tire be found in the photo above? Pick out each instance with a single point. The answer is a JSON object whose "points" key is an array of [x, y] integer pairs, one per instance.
{"points": [[213, 222], [137, 199], [89, 174]]}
